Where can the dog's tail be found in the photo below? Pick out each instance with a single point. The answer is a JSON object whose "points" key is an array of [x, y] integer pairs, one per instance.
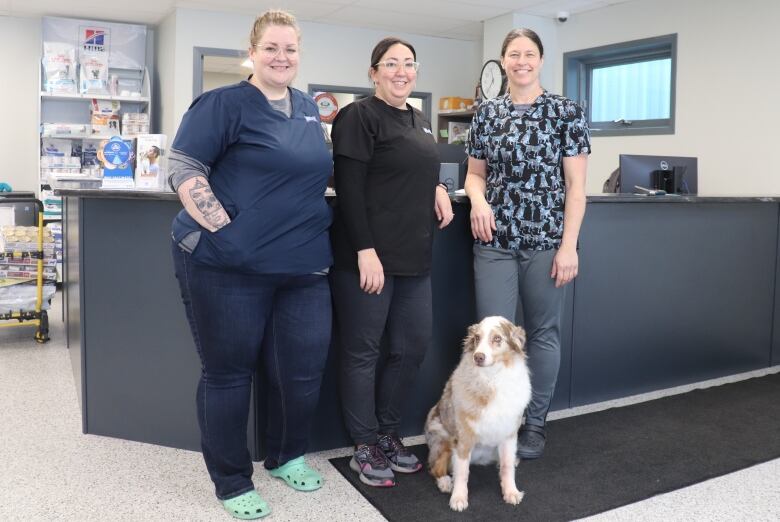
{"points": [[439, 444]]}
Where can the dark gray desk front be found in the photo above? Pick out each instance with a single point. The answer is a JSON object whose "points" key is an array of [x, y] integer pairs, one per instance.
{"points": [[669, 292]]}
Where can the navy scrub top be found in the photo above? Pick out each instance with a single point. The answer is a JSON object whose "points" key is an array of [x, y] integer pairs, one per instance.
{"points": [[269, 172]]}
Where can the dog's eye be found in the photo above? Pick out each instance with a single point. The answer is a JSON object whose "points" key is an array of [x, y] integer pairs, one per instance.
{"points": [[497, 339], [476, 338]]}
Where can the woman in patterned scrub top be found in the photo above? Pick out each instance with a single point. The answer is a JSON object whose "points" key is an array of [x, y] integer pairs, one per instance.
{"points": [[528, 154]]}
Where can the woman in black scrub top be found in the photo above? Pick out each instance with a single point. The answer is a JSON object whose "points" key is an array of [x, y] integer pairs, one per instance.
{"points": [[388, 202]]}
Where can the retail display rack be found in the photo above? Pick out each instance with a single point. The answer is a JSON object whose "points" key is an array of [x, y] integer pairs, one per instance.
{"points": [[69, 138]]}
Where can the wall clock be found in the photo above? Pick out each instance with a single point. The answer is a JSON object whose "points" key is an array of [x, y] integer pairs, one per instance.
{"points": [[492, 80]]}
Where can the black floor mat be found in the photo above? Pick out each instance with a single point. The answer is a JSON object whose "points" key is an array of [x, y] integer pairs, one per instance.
{"points": [[604, 460]]}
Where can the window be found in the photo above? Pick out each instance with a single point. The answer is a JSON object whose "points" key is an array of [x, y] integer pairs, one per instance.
{"points": [[625, 88]]}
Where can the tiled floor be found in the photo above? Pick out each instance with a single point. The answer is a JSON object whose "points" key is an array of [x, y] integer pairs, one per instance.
{"points": [[49, 470]]}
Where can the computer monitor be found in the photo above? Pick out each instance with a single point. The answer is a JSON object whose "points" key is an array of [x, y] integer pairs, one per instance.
{"points": [[18, 213], [453, 154], [675, 174]]}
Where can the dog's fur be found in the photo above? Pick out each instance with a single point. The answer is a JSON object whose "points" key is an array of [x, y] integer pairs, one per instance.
{"points": [[480, 410]]}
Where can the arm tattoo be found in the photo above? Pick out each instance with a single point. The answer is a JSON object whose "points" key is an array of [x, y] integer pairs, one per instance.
{"points": [[208, 205]]}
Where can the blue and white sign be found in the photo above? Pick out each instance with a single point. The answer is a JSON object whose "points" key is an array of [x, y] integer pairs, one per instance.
{"points": [[116, 155]]}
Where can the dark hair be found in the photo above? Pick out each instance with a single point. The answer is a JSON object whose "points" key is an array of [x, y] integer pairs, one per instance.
{"points": [[386, 43], [517, 33]]}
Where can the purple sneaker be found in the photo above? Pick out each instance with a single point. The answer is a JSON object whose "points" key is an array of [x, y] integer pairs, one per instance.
{"points": [[372, 466], [401, 459]]}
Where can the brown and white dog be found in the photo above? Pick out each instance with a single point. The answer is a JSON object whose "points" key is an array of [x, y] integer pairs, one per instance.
{"points": [[480, 411]]}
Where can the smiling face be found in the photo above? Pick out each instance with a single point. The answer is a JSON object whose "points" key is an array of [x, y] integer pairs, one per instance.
{"points": [[275, 57], [522, 62], [394, 87]]}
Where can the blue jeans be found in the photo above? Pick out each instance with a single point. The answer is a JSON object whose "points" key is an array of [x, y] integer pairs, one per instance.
{"points": [[239, 320]]}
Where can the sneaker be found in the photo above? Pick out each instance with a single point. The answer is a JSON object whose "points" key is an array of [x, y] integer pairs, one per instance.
{"points": [[372, 466], [401, 459], [530, 442]]}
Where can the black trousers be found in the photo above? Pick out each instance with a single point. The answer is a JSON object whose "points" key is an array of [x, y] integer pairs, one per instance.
{"points": [[373, 401]]}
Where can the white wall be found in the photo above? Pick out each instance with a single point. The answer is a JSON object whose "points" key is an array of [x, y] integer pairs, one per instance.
{"points": [[165, 74], [20, 41], [728, 77], [331, 55], [496, 29], [493, 33]]}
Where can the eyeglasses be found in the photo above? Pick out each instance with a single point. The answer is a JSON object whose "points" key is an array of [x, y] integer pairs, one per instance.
{"points": [[392, 66], [272, 51]]}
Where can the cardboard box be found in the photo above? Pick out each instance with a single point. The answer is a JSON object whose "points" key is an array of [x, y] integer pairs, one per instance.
{"points": [[454, 103]]}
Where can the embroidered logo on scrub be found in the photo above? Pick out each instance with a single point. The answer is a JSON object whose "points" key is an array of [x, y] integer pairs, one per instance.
{"points": [[427, 130], [310, 118]]}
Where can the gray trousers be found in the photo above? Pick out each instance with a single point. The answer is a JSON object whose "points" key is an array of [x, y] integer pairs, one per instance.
{"points": [[506, 279]]}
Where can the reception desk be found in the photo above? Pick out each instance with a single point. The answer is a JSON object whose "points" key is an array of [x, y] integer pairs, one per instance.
{"points": [[672, 290]]}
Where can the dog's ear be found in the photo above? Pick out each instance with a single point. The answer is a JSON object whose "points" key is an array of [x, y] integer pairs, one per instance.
{"points": [[516, 338], [470, 341]]}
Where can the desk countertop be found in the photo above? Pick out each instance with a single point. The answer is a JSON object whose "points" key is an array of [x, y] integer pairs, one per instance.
{"points": [[157, 195]]}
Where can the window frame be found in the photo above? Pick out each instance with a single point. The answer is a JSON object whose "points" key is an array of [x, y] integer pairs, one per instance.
{"points": [[577, 76]]}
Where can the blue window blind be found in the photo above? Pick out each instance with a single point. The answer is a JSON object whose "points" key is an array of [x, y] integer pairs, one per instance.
{"points": [[633, 91]]}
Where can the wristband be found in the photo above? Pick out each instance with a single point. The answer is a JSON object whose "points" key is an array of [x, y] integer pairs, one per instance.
{"points": [[444, 186]]}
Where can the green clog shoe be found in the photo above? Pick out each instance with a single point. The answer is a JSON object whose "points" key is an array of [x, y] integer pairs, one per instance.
{"points": [[247, 506], [298, 475]]}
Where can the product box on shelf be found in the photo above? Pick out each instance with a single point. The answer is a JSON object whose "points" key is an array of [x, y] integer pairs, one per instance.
{"points": [[19, 268], [105, 117], [52, 205], [56, 148], [89, 154], [135, 123], [59, 67], [65, 129]]}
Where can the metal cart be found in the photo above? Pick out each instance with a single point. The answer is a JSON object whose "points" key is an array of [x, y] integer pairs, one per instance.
{"points": [[18, 262]]}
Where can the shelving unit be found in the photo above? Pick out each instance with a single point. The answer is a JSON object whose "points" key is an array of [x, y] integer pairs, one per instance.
{"points": [[446, 117], [90, 97], [75, 108], [131, 69]]}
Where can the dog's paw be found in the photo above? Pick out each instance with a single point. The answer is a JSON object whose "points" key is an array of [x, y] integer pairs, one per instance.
{"points": [[459, 502], [513, 496], [445, 484]]}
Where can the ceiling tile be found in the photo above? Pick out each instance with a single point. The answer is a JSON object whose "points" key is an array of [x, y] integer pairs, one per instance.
{"points": [[391, 21], [302, 9], [114, 11], [471, 31], [468, 10], [550, 8], [508, 6]]}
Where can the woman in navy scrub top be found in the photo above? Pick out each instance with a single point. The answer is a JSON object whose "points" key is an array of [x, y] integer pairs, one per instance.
{"points": [[388, 201], [251, 251]]}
